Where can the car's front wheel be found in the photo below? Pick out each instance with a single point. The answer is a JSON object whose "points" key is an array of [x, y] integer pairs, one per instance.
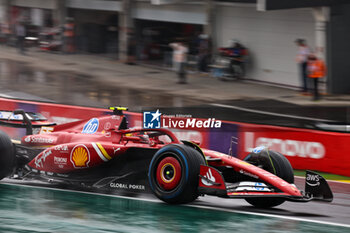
{"points": [[274, 163], [174, 173]]}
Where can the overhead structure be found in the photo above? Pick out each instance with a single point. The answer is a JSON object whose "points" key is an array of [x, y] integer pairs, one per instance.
{"points": [[163, 2], [265, 5]]}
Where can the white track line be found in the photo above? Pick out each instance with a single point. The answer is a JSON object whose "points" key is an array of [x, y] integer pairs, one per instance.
{"points": [[7, 96], [270, 113], [191, 205], [273, 216]]}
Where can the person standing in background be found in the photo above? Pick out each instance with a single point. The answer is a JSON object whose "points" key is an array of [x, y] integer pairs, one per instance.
{"points": [[68, 36], [301, 59], [131, 50], [238, 55], [316, 70], [21, 34], [6, 33], [203, 53], [180, 51]]}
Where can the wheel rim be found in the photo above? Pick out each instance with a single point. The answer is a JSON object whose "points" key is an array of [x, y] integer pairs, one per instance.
{"points": [[168, 173]]}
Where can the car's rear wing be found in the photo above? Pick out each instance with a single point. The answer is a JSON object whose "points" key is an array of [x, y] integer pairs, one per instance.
{"points": [[21, 119]]}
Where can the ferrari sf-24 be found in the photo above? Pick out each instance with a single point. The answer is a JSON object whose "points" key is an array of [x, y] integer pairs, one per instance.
{"points": [[102, 154]]}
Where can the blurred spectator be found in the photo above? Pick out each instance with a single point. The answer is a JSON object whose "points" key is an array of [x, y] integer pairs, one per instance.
{"points": [[316, 69], [203, 53], [237, 53], [194, 43], [68, 36], [301, 59], [20, 34], [180, 51], [5, 32], [131, 51]]}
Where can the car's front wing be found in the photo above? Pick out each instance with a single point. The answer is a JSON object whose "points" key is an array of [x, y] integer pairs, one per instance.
{"points": [[211, 182]]}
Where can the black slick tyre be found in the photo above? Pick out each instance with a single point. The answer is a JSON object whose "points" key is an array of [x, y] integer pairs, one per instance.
{"points": [[174, 173], [7, 157], [275, 163]]}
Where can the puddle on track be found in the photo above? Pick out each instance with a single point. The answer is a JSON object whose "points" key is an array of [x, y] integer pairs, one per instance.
{"points": [[20, 81]]}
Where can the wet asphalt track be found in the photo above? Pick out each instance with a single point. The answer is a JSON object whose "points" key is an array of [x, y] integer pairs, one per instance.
{"points": [[49, 210], [82, 93]]}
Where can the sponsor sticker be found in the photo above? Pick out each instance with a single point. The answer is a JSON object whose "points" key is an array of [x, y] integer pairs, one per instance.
{"points": [[91, 126], [40, 159], [251, 186], [115, 117], [16, 117], [61, 148], [80, 156], [36, 139], [27, 139], [313, 180], [210, 177], [127, 186], [288, 147], [258, 149], [259, 186], [107, 125], [60, 161]]}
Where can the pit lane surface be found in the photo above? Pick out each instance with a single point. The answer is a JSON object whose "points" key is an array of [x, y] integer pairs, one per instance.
{"points": [[83, 90], [91, 212]]}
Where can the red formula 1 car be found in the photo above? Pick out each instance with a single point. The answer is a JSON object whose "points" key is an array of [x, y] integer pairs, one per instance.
{"points": [[103, 155]]}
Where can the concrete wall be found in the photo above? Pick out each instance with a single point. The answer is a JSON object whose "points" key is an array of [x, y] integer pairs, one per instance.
{"points": [[3, 11], [44, 4], [339, 50], [177, 13], [95, 5], [269, 36]]}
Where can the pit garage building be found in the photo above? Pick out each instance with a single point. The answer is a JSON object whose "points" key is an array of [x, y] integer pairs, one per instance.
{"points": [[268, 28]]}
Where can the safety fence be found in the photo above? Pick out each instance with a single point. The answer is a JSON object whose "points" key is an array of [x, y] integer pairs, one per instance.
{"points": [[304, 148]]}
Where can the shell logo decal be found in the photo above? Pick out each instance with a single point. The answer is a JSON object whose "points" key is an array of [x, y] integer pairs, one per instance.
{"points": [[80, 156]]}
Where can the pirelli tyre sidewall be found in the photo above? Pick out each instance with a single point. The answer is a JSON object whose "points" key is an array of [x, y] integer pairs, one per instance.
{"points": [[7, 157], [275, 163], [174, 173]]}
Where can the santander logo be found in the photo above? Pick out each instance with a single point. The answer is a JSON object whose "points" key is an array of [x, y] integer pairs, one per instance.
{"points": [[287, 147]]}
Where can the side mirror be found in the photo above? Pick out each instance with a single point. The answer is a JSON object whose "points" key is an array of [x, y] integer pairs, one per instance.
{"points": [[26, 121]]}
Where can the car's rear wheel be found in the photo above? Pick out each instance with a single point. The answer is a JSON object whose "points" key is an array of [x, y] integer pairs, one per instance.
{"points": [[174, 173], [7, 157], [275, 163]]}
